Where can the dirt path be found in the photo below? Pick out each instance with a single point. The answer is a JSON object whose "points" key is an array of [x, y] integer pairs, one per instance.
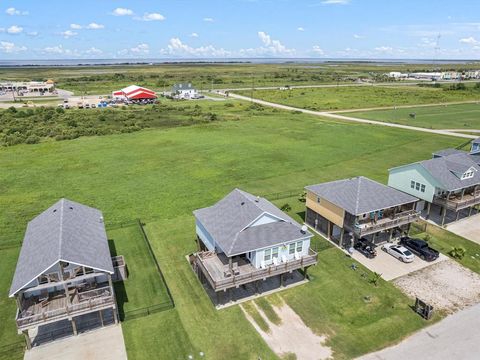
{"points": [[292, 336], [446, 285], [351, 119]]}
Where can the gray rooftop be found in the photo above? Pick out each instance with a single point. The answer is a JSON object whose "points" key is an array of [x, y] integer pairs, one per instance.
{"points": [[476, 141], [360, 195], [447, 152], [443, 169], [182, 86], [228, 219], [66, 231]]}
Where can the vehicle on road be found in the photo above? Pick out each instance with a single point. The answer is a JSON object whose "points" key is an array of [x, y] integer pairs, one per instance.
{"points": [[366, 247], [420, 247], [399, 252]]}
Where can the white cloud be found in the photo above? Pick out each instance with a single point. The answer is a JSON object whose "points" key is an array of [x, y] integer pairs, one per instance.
{"points": [[176, 47], [122, 12], [336, 2], [9, 47], [151, 17], [300, 28], [58, 49], [75, 26], [32, 33], [356, 36], [384, 49], [68, 34], [273, 47], [470, 41], [318, 50], [194, 34], [208, 19], [12, 11], [94, 26], [14, 29], [136, 50], [93, 51]]}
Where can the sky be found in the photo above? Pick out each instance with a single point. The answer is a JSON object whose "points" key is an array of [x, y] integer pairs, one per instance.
{"points": [[108, 29]]}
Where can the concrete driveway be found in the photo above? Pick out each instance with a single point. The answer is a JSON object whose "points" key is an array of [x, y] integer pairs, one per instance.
{"points": [[456, 337], [469, 228], [391, 268], [102, 344]]}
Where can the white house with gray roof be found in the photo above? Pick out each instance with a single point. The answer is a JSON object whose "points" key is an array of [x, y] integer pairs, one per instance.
{"points": [[349, 209], [449, 182], [64, 270], [184, 91], [243, 239]]}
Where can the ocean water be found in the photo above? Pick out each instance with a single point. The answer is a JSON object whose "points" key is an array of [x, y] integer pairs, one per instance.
{"points": [[94, 62]]}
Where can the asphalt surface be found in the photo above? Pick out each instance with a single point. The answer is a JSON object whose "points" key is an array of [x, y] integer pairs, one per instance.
{"points": [[455, 338]]}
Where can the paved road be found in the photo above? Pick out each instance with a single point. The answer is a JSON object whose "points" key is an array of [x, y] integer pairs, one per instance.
{"points": [[349, 118], [456, 337]]}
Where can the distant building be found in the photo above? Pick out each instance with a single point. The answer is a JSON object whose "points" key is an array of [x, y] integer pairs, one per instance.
{"points": [[134, 92], [184, 91], [28, 86]]}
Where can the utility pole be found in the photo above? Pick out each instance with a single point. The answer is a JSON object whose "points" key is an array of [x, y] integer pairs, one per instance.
{"points": [[253, 87]]}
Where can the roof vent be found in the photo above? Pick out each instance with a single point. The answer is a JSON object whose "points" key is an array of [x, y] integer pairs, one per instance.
{"points": [[242, 203], [70, 207], [257, 199], [101, 219], [54, 210], [304, 229]]}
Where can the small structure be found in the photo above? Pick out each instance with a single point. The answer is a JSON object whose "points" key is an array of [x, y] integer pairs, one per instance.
{"points": [[244, 241], [448, 183], [64, 270], [134, 92], [28, 86], [184, 91], [349, 209]]}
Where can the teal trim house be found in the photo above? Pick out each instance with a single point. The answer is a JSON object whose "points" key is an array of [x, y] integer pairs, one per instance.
{"points": [[449, 182]]}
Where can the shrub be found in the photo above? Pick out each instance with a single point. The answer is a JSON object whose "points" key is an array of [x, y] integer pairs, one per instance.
{"points": [[32, 139], [457, 253], [286, 207]]}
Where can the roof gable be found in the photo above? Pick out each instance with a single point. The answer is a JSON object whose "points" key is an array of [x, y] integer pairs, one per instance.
{"points": [[235, 214], [66, 231]]}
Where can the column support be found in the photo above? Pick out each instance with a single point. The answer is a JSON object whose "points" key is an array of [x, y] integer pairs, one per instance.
{"points": [[74, 326], [329, 231], [429, 206], [101, 317], [444, 213], [342, 233], [27, 339]]}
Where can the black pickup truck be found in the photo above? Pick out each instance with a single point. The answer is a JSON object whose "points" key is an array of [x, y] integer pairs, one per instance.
{"points": [[420, 247]]}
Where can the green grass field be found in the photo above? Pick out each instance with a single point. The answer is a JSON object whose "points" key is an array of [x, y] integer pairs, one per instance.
{"points": [[361, 97], [161, 175], [461, 116], [144, 286]]}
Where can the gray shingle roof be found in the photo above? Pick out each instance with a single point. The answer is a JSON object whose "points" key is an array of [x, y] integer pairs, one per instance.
{"points": [[443, 168], [182, 86], [447, 152], [476, 141], [360, 195], [66, 231], [227, 220]]}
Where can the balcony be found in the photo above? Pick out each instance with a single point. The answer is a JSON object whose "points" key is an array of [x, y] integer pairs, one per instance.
{"points": [[40, 310], [386, 223], [216, 270], [458, 202]]}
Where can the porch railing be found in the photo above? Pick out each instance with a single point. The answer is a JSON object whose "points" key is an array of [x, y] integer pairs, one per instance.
{"points": [[458, 204], [386, 223], [221, 283]]}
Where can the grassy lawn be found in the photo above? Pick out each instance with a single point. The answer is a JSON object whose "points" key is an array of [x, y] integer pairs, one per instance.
{"points": [[144, 286], [444, 240], [161, 175], [462, 116], [358, 97]]}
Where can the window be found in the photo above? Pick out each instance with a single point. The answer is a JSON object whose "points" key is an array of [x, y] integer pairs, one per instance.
{"points": [[469, 174], [318, 200], [412, 184], [267, 255], [422, 188], [299, 246], [291, 249], [417, 186], [275, 253]]}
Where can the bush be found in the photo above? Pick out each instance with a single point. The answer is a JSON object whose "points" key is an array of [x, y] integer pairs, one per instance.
{"points": [[286, 207], [457, 253], [32, 139]]}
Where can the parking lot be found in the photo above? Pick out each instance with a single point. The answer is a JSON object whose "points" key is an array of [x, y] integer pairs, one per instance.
{"points": [[391, 268], [468, 228]]}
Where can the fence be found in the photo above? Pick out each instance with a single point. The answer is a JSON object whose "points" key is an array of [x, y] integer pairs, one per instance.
{"points": [[137, 313], [283, 194]]}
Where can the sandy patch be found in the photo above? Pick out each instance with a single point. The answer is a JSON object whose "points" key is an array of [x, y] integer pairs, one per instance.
{"points": [[292, 336], [446, 285]]}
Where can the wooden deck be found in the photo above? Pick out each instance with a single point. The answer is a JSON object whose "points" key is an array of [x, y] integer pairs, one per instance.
{"points": [[215, 268], [35, 312], [403, 218], [458, 202]]}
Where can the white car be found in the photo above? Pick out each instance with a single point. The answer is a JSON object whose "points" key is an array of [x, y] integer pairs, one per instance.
{"points": [[399, 252]]}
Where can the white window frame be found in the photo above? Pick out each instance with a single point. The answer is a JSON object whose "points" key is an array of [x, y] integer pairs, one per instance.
{"points": [[267, 253], [291, 248], [299, 247], [275, 252], [422, 188], [412, 184]]}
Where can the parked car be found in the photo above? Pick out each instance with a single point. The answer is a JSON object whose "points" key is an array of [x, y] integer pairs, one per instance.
{"points": [[366, 247], [93, 106], [399, 252], [420, 248]]}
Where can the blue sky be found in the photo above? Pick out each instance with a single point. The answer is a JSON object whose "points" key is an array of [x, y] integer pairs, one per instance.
{"points": [[50, 29]]}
